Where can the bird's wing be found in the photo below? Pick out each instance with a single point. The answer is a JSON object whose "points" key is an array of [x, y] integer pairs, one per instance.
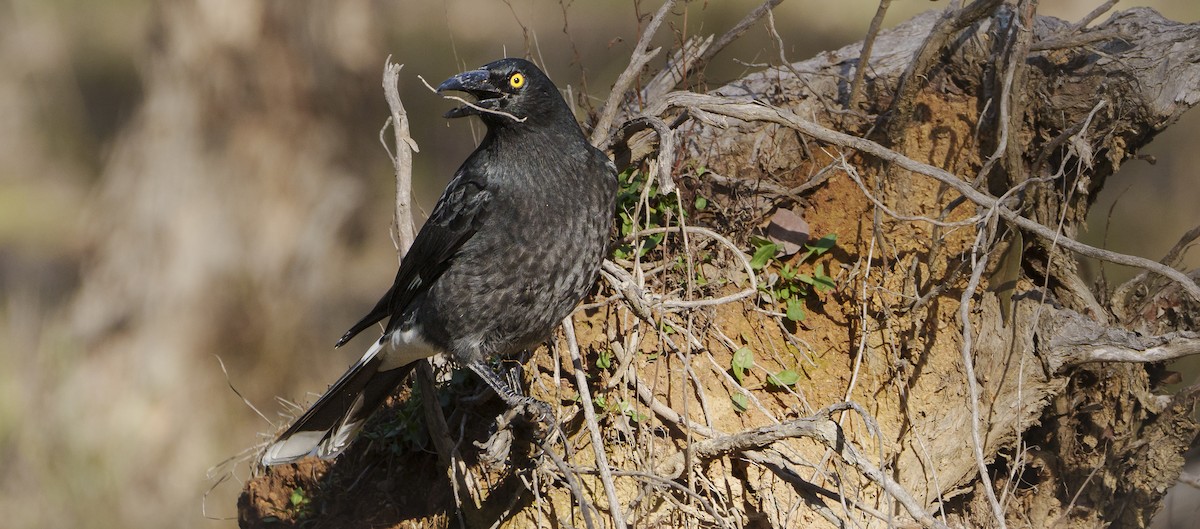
{"points": [[455, 218]]}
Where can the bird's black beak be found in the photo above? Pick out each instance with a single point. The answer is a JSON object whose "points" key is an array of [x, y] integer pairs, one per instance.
{"points": [[470, 82], [476, 83]]}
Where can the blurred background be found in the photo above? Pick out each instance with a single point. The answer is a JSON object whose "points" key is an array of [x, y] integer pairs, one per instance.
{"points": [[194, 199]]}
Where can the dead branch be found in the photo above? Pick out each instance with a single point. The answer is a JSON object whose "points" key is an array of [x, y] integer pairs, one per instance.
{"points": [[666, 148], [860, 69], [589, 414], [1075, 339], [641, 56], [402, 160], [979, 260], [736, 31]]}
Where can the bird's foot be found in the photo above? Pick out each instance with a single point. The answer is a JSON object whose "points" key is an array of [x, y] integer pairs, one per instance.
{"points": [[540, 416]]}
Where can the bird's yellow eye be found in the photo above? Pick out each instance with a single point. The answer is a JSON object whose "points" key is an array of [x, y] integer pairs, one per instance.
{"points": [[516, 80]]}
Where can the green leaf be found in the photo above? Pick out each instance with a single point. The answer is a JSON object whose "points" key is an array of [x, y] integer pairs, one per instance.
{"points": [[626, 224], [743, 360], [822, 245], [822, 282], [782, 379], [795, 309], [297, 497], [604, 360], [787, 272], [740, 402], [701, 202], [763, 255], [629, 411]]}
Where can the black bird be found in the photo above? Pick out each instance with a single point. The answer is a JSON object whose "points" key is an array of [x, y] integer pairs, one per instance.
{"points": [[511, 247]]}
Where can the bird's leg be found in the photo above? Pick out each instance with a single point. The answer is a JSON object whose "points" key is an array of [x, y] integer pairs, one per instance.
{"points": [[536, 410]]}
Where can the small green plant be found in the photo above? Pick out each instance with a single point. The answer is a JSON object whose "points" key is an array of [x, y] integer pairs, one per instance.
{"points": [[621, 407], [628, 410], [784, 285], [740, 402], [783, 379], [299, 504], [656, 213], [604, 359], [743, 361]]}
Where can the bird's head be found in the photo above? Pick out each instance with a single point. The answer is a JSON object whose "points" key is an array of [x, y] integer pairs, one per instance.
{"points": [[506, 91]]}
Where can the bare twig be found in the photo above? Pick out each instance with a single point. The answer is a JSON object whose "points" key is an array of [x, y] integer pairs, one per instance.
{"points": [[865, 56], [821, 428], [853, 174], [665, 482], [569, 475], [741, 294], [776, 464], [589, 414], [641, 56], [1087, 19], [1121, 294], [405, 232], [736, 31], [402, 160], [681, 64], [235, 391], [979, 261], [666, 149]]}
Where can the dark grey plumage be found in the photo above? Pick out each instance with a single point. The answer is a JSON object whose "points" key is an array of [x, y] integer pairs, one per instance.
{"points": [[514, 243]]}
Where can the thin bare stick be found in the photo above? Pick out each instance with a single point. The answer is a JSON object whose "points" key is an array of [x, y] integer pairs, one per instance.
{"points": [[736, 31], [402, 160], [439, 433], [637, 61], [979, 261], [589, 414], [821, 428], [245, 401], [1121, 294], [666, 149], [1087, 19], [853, 174], [865, 56], [665, 482], [569, 475]]}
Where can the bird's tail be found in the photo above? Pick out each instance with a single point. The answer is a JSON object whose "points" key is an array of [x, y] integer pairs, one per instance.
{"points": [[328, 426]]}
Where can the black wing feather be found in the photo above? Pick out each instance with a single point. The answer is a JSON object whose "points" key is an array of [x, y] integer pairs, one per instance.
{"points": [[455, 218]]}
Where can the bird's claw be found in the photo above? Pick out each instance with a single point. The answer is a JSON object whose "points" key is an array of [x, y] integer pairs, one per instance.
{"points": [[540, 416]]}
